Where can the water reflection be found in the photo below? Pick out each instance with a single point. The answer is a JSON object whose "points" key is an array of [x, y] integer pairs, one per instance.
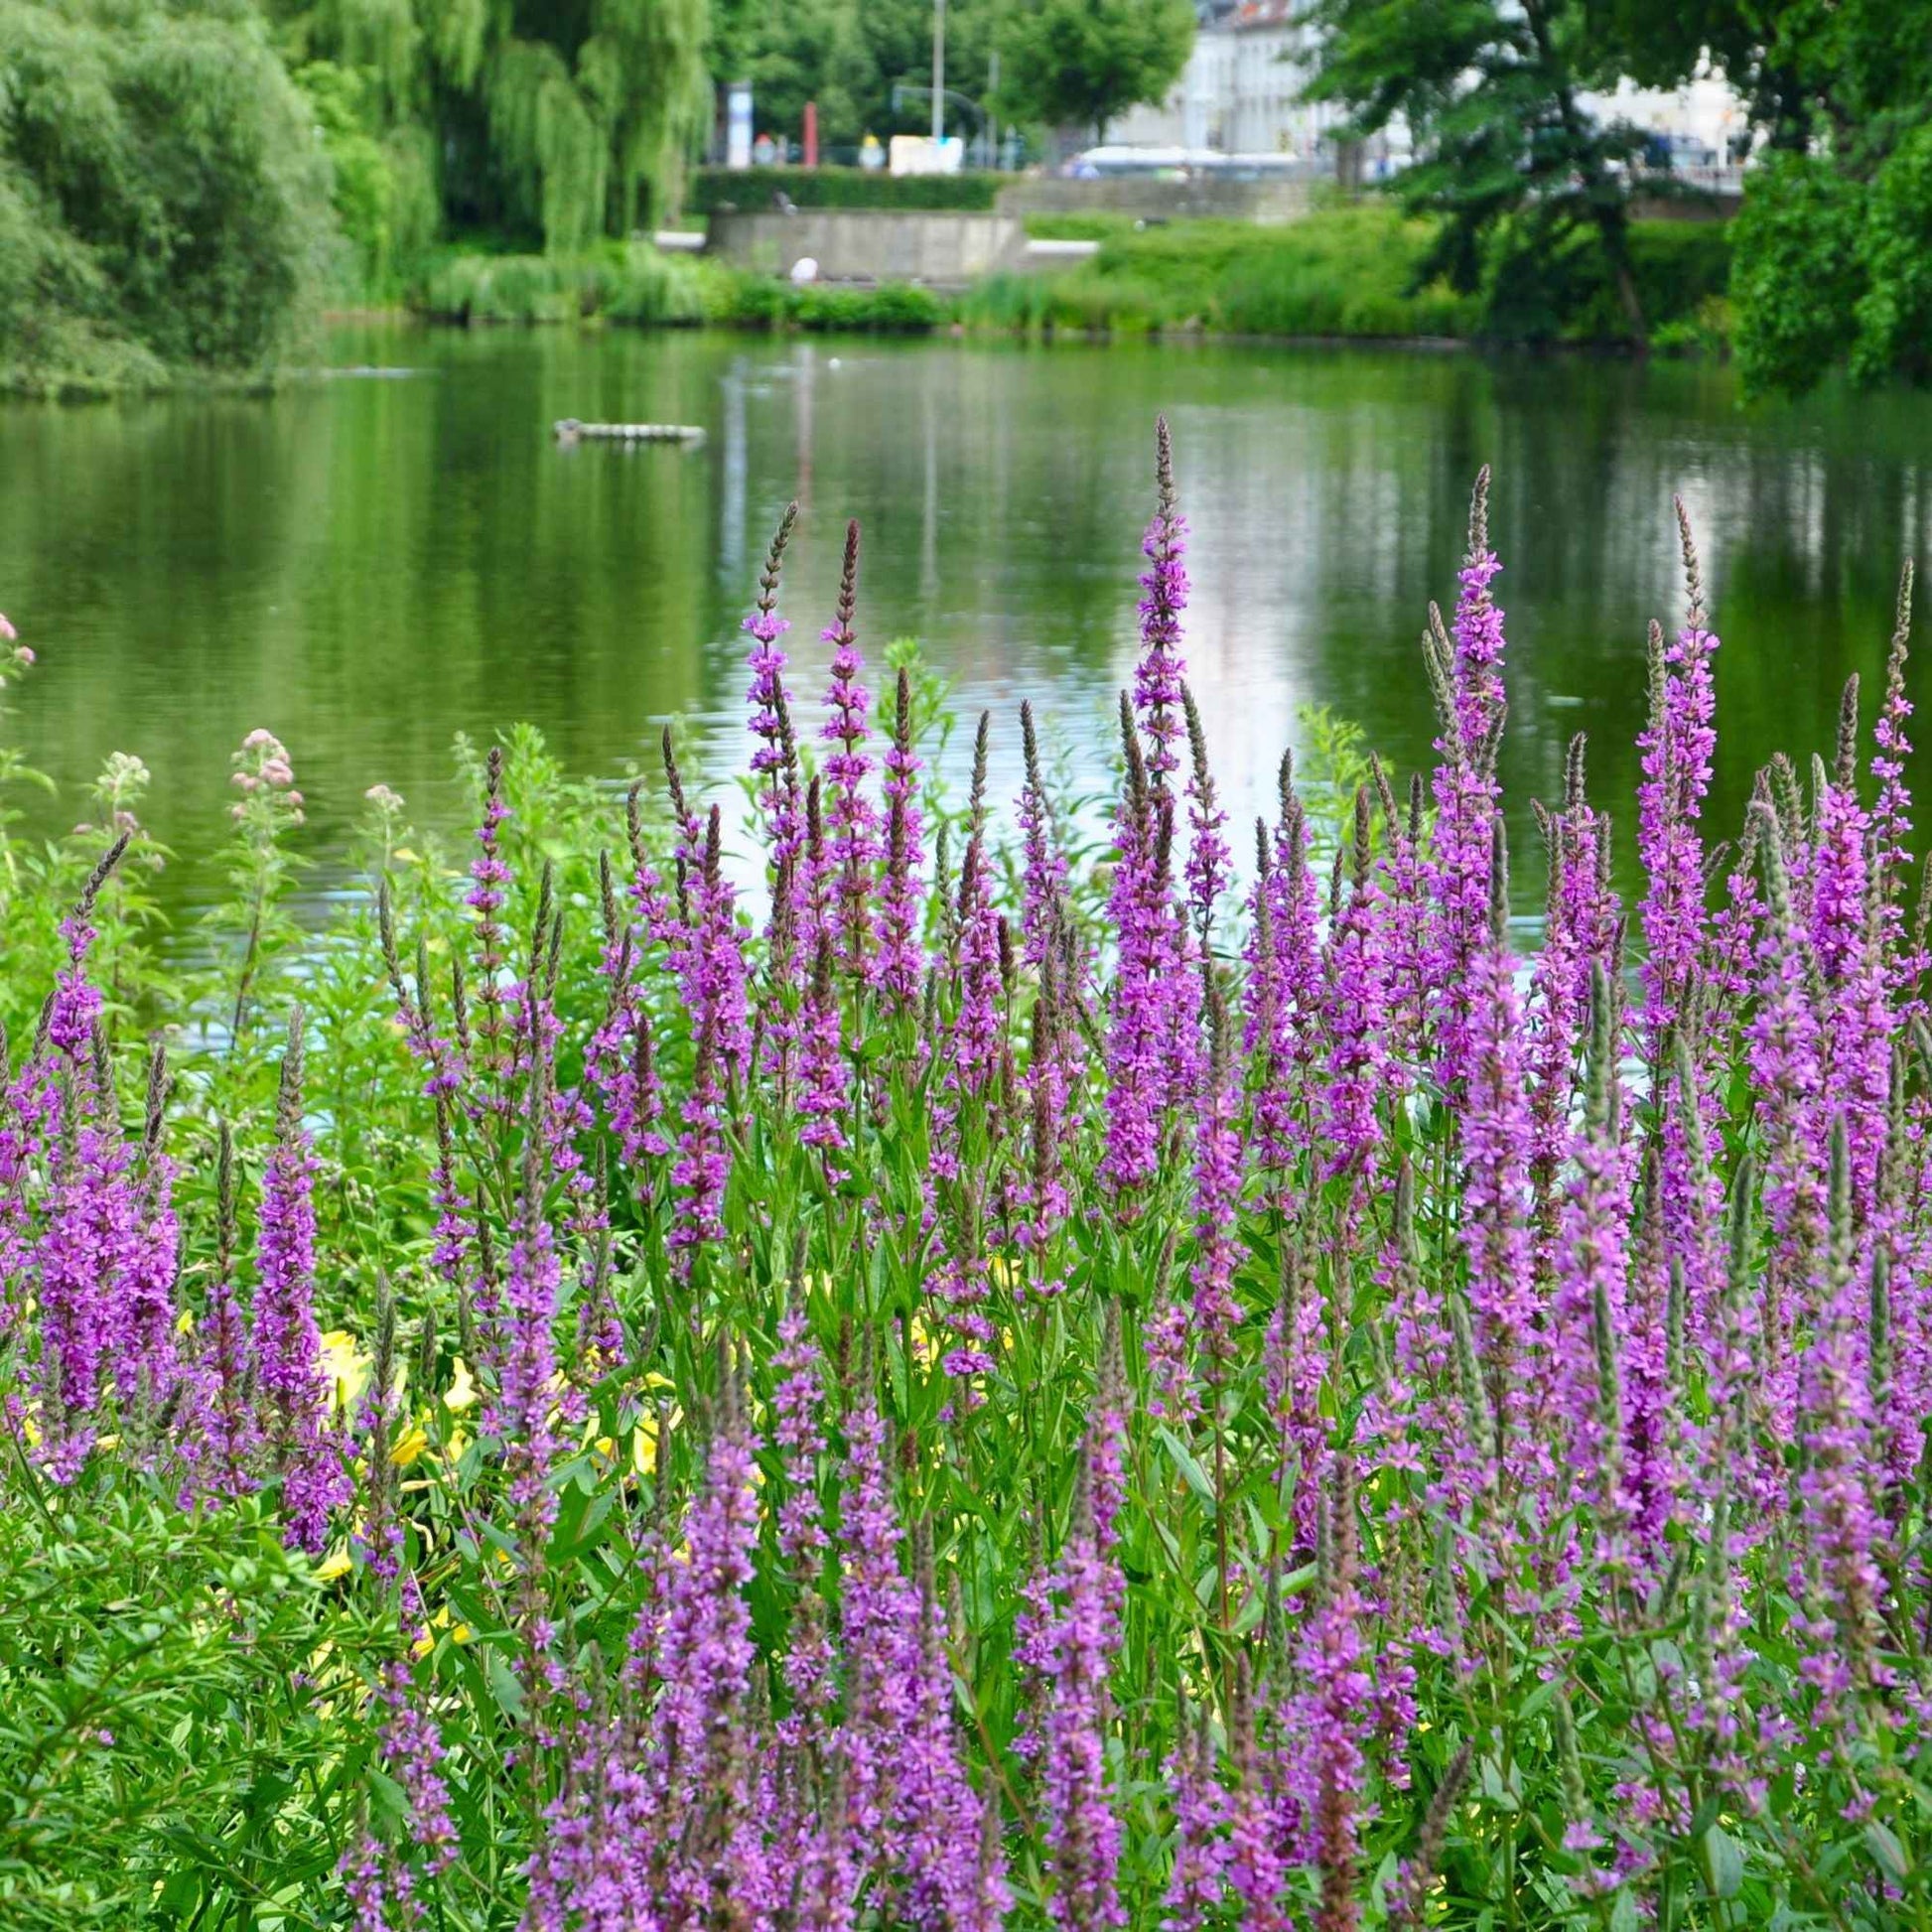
{"points": [[368, 565]]}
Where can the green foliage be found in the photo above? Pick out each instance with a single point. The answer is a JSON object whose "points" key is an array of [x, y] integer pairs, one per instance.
{"points": [[1359, 271], [1831, 245], [558, 124], [1797, 278], [1894, 314], [1080, 62], [843, 187], [1490, 92], [161, 201], [384, 186], [173, 1691], [847, 55], [1534, 293], [623, 281]]}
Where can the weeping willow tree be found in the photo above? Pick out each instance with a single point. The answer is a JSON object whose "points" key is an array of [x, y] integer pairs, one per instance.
{"points": [[163, 200], [571, 120]]}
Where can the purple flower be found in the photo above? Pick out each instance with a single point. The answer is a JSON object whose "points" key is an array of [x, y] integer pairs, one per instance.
{"points": [[1068, 1639], [775, 758], [710, 970], [854, 824], [899, 958], [291, 1382], [823, 1100], [1158, 688]]}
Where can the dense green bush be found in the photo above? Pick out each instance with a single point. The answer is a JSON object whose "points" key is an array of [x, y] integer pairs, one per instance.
{"points": [[1536, 294], [625, 282], [1355, 271], [162, 197], [842, 188], [170, 1740]]}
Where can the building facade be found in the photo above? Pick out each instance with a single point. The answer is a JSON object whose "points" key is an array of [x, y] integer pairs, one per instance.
{"points": [[1240, 91]]}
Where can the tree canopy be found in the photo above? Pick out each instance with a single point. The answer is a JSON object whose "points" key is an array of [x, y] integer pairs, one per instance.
{"points": [[559, 120], [162, 196], [1081, 63], [1833, 247], [1491, 94], [847, 55]]}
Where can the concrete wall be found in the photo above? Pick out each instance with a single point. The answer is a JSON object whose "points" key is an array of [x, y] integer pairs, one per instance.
{"points": [[944, 250], [1150, 198]]}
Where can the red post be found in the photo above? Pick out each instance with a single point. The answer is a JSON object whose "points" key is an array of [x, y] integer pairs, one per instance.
{"points": [[811, 134]]}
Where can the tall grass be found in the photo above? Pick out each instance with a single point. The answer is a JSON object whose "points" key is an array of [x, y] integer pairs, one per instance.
{"points": [[961, 1379]]}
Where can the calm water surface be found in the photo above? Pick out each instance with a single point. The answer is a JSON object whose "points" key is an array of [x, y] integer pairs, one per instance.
{"points": [[369, 564]]}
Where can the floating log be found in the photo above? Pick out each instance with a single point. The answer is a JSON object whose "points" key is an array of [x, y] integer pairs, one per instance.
{"points": [[570, 430]]}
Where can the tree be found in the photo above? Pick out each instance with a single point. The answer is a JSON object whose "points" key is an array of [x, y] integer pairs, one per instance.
{"points": [[1831, 250], [162, 200], [1491, 92], [847, 55], [564, 119], [1080, 62]]}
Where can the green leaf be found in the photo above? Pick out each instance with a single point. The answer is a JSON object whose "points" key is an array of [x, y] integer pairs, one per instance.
{"points": [[1184, 1461], [1724, 1863], [1882, 1842]]}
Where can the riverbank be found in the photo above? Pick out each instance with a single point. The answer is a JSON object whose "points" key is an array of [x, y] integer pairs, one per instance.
{"points": [[1345, 273], [1354, 273]]}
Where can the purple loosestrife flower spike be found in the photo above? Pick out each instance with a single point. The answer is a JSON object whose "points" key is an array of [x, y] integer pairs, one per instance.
{"points": [[823, 1101], [489, 893], [1496, 1141], [1891, 816], [1208, 854], [1163, 586], [289, 1376], [1468, 676], [1044, 883], [1677, 747], [853, 823], [1147, 1000], [897, 961], [230, 1437], [711, 972], [705, 1657], [1068, 1642], [775, 758], [1355, 1012]]}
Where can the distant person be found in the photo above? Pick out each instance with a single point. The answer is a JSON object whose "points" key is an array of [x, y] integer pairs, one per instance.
{"points": [[872, 156]]}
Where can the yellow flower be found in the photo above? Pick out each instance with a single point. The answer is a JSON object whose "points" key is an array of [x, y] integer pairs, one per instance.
{"points": [[347, 1366], [185, 1322], [426, 1642], [415, 1440], [334, 1564], [461, 1392], [643, 1447], [451, 1453]]}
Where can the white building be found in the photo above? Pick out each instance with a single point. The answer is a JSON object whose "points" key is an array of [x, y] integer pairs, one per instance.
{"points": [[1240, 91], [1705, 113]]}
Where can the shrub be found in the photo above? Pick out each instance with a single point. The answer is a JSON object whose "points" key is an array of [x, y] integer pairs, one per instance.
{"points": [[162, 201], [623, 281]]}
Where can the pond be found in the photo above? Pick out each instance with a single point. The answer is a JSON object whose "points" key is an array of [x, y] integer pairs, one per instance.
{"points": [[369, 563]]}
